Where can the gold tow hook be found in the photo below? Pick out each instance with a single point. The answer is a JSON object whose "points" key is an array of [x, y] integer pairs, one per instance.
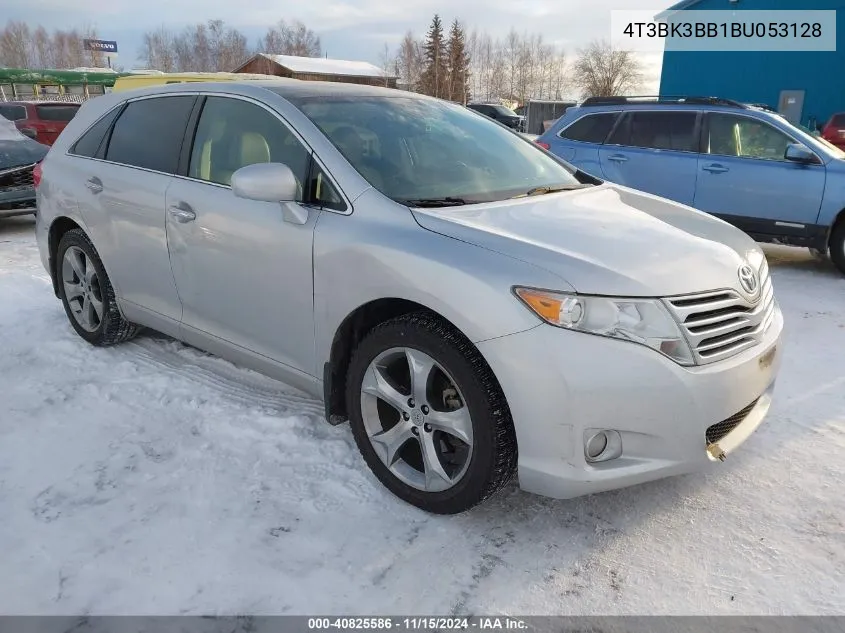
{"points": [[716, 452]]}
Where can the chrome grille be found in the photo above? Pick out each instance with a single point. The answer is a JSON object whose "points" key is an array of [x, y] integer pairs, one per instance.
{"points": [[722, 323], [18, 178]]}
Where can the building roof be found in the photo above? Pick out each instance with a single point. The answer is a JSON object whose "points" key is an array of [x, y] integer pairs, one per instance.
{"points": [[324, 66], [679, 6]]}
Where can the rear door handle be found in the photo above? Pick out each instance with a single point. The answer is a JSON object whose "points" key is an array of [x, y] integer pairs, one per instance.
{"points": [[618, 158], [182, 212], [715, 168], [94, 184]]}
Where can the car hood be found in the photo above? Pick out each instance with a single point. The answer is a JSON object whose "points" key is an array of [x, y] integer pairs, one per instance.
{"points": [[606, 240], [20, 151]]}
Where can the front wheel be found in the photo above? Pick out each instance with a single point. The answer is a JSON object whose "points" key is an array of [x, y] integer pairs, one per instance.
{"points": [[428, 415], [837, 246]]}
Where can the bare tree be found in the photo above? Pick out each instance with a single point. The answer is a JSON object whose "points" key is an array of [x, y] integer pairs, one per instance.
{"points": [[204, 47], [602, 71], [292, 38], [158, 50], [15, 45], [42, 49], [409, 61]]}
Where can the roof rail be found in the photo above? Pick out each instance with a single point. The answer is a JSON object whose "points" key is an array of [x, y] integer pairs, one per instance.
{"points": [[662, 99]]}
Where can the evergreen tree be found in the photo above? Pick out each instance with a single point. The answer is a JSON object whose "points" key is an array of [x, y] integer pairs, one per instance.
{"points": [[458, 65], [434, 80]]}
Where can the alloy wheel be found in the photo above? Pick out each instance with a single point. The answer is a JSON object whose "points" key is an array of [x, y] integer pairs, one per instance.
{"points": [[82, 289], [416, 419]]}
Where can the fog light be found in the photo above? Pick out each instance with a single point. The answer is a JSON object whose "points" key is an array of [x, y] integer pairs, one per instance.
{"points": [[596, 445]]}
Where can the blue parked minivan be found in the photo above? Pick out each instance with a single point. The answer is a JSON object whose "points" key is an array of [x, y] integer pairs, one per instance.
{"points": [[742, 163]]}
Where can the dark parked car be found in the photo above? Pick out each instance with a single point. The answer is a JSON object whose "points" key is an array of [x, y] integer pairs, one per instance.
{"points": [[500, 113], [42, 121], [18, 157]]}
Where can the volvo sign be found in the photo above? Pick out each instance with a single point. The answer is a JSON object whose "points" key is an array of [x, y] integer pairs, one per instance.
{"points": [[101, 46]]}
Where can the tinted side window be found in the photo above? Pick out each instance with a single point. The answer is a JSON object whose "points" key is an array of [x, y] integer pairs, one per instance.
{"points": [[233, 133], [149, 133], [56, 112], [592, 128], [13, 112], [90, 142], [657, 130]]}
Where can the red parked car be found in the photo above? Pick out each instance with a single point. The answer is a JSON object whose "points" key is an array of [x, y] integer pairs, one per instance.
{"points": [[39, 120], [834, 130]]}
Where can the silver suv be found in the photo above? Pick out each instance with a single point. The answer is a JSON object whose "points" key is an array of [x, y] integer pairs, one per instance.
{"points": [[474, 306]]}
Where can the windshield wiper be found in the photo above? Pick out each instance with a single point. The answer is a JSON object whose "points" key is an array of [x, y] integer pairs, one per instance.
{"points": [[541, 191], [435, 202]]}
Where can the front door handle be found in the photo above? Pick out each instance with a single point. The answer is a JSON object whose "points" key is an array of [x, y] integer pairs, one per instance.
{"points": [[618, 158], [715, 168], [182, 212], [94, 184]]}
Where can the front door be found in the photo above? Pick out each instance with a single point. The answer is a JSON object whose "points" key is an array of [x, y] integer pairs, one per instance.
{"points": [[655, 152], [745, 179], [243, 273]]}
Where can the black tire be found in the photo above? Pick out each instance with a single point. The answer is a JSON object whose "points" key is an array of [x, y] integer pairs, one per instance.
{"points": [[113, 328], [494, 455], [837, 246]]}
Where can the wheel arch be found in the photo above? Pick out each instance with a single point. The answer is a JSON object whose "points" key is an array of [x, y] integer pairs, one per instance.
{"points": [[58, 228], [837, 220], [354, 327]]}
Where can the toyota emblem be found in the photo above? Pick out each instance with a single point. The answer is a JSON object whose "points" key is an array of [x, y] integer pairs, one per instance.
{"points": [[748, 279]]}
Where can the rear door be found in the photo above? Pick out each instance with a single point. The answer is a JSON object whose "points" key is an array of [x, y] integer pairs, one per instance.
{"points": [[745, 179], [580, 141], [655, 151], [121, 195]]}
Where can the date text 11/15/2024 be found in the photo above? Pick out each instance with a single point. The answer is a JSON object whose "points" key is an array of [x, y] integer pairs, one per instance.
{"points": [[493, 623]]}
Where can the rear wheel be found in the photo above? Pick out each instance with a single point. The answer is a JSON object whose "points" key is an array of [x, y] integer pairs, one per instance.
{"points": [[428, 415], [87, 293]]}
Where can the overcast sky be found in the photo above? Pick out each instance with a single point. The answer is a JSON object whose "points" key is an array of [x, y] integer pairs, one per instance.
{"points": [[357, 29]]}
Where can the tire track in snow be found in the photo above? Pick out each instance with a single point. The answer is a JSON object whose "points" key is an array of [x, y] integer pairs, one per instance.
{"points": [[238, 385]]}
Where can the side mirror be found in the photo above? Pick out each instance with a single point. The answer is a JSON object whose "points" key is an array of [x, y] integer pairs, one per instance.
{"points": [[798, 153], [265, 182], [270, 182]]}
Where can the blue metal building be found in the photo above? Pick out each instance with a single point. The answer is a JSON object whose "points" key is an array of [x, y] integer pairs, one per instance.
{"points": [[807, 87]]}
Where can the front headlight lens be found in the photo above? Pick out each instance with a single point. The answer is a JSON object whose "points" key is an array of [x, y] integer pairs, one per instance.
{"points": [[643, 321]]}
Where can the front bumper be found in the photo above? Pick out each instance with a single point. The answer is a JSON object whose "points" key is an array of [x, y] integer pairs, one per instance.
{"points": [[563, 386], [17, 201]]}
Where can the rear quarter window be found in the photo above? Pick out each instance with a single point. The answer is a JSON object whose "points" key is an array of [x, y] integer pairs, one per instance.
{"points": [[592, 128], [90, 144], [63, 113], [13, 112]]}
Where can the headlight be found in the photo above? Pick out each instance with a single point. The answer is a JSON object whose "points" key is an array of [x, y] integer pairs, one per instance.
{"points": [[643, 321]]}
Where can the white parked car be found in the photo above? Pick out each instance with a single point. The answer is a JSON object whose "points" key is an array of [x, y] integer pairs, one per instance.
{"points": [[472, 305]]}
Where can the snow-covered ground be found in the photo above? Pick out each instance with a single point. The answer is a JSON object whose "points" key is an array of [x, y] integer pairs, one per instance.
{"points": [[152, 479]]}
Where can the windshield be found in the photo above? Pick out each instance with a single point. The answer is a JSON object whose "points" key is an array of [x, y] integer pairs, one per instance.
{"points": [[411, 148], [504, 111]]}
